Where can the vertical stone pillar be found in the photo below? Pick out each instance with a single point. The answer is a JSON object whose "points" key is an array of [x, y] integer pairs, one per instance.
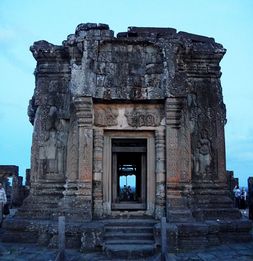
{"points": [[28, 178], [250, 197], [84, 107], [98, 172], [160, 173], [173, 112], [178, 161], [15, 191], [220, 141]]}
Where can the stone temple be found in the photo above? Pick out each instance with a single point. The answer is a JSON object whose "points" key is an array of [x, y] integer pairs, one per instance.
{"points": [[127, 130]]}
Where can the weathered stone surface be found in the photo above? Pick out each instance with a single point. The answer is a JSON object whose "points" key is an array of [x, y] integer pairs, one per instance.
{"points": [[92, 238], [150, 96]]}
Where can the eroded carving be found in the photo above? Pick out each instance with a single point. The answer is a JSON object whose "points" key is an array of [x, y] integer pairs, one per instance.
{"points": [[127, 70], [106, 117], [203, 155], [139, 118], [31, 111]]}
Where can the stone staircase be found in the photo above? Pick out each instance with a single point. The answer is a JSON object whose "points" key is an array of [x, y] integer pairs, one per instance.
{"points": [[129, 238]]}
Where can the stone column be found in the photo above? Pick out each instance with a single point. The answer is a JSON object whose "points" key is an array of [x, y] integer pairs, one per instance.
{"points": [[84, 107], [160, 173], [98, 172]]}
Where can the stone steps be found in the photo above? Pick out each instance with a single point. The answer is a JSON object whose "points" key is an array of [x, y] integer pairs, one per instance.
{"points": [[180, 215], [126, 236], [129, 238], [126, 229], [130, 241], [217, 213], [128, 222], [131, 251]]}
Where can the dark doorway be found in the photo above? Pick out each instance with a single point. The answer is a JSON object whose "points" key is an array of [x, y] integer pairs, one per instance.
{"points": [[129, 173]]}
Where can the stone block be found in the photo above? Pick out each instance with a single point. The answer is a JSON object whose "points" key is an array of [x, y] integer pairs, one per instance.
{"points": [[91, 239], [188, 230]]}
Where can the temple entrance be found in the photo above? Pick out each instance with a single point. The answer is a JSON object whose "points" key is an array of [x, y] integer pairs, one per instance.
{"points": [[129, 174]]}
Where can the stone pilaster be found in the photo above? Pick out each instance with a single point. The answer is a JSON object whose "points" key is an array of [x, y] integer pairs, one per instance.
{"points": [[177, 161], [160, 173], [173, 110], [221, 154], [84, 107], [98, 172]]}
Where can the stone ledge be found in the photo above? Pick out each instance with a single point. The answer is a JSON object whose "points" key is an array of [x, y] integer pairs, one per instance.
{"points": [[185, 236], [82, 235]]}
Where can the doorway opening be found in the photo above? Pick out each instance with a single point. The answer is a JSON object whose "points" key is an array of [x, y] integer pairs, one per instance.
{"points": [[129, 172]]}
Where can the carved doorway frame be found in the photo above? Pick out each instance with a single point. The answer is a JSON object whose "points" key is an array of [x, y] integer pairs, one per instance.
{"points": [[107, 167]]}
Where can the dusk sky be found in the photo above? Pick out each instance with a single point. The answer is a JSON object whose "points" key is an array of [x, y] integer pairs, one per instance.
{"points": [[230, 22]]}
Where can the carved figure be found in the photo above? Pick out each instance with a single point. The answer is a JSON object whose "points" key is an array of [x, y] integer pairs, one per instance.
{"points": [[52, 117], [203, 156]]}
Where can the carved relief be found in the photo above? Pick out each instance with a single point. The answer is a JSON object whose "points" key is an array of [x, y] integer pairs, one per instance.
{"points": [[52, 153], [185, 149], [72, 159], [203, 155], [194, 109], [139, 118], [51, 120], [31, 111], [128, 70], [106, 117], [85, 156]]}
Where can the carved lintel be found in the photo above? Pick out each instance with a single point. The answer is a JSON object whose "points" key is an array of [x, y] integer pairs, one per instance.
{"points": [[106, 117], [139, 118]]}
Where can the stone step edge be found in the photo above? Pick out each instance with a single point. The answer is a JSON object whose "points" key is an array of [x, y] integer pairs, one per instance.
{"points": [[129, 242], [128, 234], [129, 226]]}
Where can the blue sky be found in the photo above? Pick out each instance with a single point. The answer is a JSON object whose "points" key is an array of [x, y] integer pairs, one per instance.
{"points": [[230, 22]]}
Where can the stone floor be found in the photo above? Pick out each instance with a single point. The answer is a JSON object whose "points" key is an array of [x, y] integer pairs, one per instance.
{"points": [[29, 252]]}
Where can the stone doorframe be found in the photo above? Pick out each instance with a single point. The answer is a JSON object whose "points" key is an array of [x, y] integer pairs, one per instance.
{"points": [[107, 167]]}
